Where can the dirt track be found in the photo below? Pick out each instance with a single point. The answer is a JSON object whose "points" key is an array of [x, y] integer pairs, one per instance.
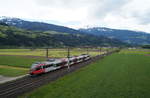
{"points": [[28, 56]]}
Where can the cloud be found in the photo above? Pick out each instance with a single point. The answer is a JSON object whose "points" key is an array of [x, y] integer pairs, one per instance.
{"points": [[104, 7], [120, 14], [139, 10], [96, 8], [64, 3]]}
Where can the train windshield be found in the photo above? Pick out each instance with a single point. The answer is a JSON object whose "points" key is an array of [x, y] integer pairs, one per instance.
{"points": [[35, 64], [38, 68]]}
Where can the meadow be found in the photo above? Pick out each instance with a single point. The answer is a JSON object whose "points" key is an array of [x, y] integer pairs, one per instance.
{"points": [[18, 61], [12, 71], [120, 75], [16, 65], [136, 51], [23, 58], [54, 53]]}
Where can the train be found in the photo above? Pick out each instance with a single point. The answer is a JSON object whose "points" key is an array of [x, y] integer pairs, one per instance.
{"points": [[54, 64]]}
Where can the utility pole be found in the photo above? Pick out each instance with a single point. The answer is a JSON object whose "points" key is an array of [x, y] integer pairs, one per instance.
{"points": [[100, 50], [68, 56], [107, 50], [47, 53], [87, 50]]}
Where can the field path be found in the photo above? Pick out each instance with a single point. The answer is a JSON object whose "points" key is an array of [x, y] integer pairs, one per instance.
{"points": [[4, 79], [12, 67], [28, 56]]}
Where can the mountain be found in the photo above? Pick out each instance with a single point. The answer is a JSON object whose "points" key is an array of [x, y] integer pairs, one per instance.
{"points": [[15, 37], [35, 26], [44, 34], [128, 36]]}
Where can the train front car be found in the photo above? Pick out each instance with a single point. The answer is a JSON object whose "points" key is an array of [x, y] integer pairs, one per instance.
{"points": [[37, 68], [47, 66]]}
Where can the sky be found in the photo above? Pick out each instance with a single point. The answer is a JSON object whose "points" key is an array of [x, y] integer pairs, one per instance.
{"points": [[117, 14]]}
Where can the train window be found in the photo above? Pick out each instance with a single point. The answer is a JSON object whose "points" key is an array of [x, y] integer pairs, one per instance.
{"points": [[49, 65], [43, 66], [46, 66], [38, 68], [58, 64], [64, 63]]}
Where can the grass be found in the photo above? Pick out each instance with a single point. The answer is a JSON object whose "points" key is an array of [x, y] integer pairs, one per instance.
{"points": [[136, 51], [42, 52], [120, 75], [14, 50], [12, 71], [18, 61], [14, 57]]}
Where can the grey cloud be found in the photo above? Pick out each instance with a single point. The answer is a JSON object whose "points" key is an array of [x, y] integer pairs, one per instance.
{"points": [[96, 8], [101, 9], [142, 17], [64, 3]]}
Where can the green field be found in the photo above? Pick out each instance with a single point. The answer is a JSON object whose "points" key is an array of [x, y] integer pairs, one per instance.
{"points": [[18, 61], [23, 58], [16, 65], [12, 71], [121, 75], [135, 51], [52, 52]]}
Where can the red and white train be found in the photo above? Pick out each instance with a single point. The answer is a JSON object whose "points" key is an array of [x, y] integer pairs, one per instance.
{"points": [[54, 64]]}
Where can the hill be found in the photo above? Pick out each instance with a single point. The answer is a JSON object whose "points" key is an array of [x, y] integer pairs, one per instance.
{"points": [[128, 36], [15, 37], [36, 26]]}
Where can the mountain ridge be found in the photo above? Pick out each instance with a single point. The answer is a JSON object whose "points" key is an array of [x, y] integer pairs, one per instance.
{"points": [[36, 26], [15, 37], [128, 36]]}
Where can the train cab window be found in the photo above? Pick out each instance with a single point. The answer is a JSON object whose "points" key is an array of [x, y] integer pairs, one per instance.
{"points": [[38, 68]]}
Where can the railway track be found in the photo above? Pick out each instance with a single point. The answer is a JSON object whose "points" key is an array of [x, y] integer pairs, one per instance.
{"points": [[27, 83]]}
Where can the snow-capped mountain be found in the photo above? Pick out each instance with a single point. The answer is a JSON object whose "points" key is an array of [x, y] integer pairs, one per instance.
{"points": [[132, 37], [35, 26], [10, 20]]}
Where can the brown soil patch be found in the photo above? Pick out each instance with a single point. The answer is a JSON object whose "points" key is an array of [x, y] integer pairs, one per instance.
{"points": [[147, 54]]}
